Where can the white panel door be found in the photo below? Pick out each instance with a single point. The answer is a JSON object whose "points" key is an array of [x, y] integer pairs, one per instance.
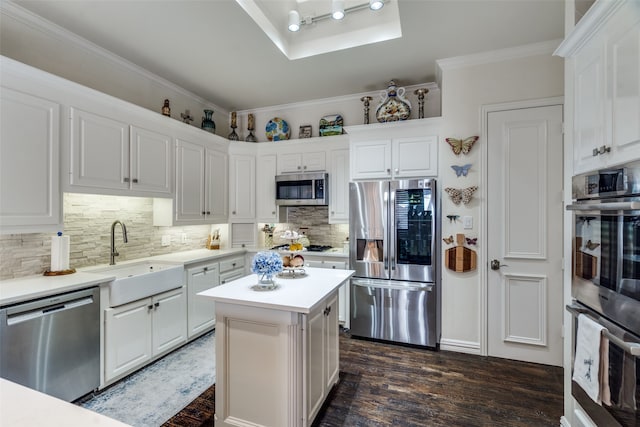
{"points": [[371, 159], [415, 157], [169, 320], [339, 187], [266, 209], [242, 187], [525, 234]]}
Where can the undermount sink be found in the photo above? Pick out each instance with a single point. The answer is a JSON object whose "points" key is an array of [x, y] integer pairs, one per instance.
{"points": [[142, 279]]}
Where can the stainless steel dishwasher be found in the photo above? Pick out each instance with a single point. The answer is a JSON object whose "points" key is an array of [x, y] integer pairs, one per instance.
{"points": [[53, 344]]}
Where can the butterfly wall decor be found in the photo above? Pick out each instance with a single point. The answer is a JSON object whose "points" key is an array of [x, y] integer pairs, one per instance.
{"points": [[463, 195], [461, 170], [590, 245], [448, 240], [471, 241], [462, 145], [453, 218]]}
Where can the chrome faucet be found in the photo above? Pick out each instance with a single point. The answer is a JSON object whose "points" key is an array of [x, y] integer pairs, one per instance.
{"points": [[114, 252]]}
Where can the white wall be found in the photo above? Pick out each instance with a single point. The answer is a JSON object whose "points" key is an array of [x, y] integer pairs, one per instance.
{"points": [[31, 40], [466, 87]]}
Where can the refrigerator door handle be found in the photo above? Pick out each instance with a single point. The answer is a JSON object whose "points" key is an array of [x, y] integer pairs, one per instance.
{"points": [[393, 262], [386, 262]]}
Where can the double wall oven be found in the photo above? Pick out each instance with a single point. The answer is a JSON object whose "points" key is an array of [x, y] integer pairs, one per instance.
{"points": [[606, 283]]}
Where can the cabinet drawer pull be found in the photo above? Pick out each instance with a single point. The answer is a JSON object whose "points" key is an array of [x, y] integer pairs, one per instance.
{"points": [[208, 212], [135, 180], [149, 307], [126, 179], [156, 305], [233, 264], [234, 212], [204, 213], [206, 269]]}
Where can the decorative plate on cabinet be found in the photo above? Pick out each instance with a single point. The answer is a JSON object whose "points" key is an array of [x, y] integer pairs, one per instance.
{"points": [[331, 125], [278, 129]]}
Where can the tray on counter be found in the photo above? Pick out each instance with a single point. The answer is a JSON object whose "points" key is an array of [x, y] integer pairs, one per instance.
{"points": [[292, 273]]}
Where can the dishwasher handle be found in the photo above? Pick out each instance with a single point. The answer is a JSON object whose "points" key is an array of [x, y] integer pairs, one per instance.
{"points": [[25, 316]]}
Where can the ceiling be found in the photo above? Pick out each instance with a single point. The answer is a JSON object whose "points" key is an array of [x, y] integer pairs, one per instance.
{"points": [[214, 49]]}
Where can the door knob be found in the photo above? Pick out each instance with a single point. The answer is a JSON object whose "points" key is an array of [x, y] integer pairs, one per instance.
{"points": [[495, 264]]}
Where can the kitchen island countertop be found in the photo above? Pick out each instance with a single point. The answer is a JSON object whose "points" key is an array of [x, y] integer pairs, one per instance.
{"points": [[298, 295]]}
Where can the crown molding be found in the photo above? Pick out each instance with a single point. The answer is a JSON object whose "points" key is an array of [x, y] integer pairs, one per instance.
{"points": [[588, 26], [432, 86], [533, 49], [31, 20]]}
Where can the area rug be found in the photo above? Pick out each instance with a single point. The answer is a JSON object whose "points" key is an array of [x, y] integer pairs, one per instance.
{"points": [[200, 412], [154, 394]]}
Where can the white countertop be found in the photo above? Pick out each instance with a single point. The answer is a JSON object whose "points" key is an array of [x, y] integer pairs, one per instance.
{"points": [[298, 295], [39, 286], [197, 255], [32, 287], [25, 407]]}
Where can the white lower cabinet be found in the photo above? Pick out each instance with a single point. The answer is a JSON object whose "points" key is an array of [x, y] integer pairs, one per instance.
{"points": [[343, 292], [322, 353], [201, 314], [232, 268], [141, 330]]}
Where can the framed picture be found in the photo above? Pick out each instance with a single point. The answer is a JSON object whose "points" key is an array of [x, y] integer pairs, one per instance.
{"points": [[305, 131]]}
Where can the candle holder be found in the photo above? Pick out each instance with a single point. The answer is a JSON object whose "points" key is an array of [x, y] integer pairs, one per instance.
{"points": [[233, 136], [366, 100], [250, 127], [421, 93], [166, 110]]}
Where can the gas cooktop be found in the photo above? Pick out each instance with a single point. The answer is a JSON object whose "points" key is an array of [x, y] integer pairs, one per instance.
{"points": [[310, 248]]}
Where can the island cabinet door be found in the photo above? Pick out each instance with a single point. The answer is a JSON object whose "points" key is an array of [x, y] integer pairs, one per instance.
{"points": [[322, 354]]}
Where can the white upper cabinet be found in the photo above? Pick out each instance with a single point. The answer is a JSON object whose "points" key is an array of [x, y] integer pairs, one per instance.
{"points": [[406, 149], [302, 162], [266, 209], [242, 187], [150, 161], [29, 163], [339, 186], [109, 154], [201, 185], [605, 47]]}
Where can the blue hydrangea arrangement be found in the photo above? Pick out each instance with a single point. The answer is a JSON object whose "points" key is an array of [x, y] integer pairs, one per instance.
{"points": [[266, 264]]}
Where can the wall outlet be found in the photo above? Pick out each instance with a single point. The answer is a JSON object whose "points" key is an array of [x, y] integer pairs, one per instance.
{"points": [[467, 222], [166, 240], [184, 238]]}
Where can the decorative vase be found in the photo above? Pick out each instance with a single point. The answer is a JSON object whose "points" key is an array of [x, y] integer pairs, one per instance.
{"points": [[394, 106], [207, 122], [266, 279], [366, 100]]}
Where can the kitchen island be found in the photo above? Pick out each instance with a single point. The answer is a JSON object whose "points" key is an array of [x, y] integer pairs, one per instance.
{"points": [[276, 351]]}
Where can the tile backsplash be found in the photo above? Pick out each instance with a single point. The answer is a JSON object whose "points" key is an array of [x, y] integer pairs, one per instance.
{"points": [[88, 219]]}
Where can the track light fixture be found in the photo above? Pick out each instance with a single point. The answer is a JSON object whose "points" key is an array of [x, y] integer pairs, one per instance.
{"points": [[376, 4], [338, 12], [294, 21], [337, 9]]}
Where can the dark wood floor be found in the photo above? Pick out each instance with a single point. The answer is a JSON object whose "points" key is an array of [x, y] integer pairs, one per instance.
{"points": [[390, 385]]}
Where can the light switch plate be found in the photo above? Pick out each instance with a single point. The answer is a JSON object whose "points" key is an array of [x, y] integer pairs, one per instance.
{"points": [[166, 240], [467, 222]]}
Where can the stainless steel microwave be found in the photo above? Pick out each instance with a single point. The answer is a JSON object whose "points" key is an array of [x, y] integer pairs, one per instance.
{"points": [[307, 189]]}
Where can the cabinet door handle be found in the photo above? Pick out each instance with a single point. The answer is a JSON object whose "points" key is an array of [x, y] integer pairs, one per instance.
{"points": [[304, 167], [234, 212], [299, 167], [156, 305], [388, 170], [273, 212], [233, 264], [205, 269], [397, 170], [135, 180], [150, 307], [223, 282], [126, 179], [204, 213]]}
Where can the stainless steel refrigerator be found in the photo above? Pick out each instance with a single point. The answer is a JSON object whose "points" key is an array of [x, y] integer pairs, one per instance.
{"points": [[394, 230]]}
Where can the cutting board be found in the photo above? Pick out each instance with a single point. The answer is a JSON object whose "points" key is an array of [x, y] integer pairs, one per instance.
{"points": [[459, 258]]}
